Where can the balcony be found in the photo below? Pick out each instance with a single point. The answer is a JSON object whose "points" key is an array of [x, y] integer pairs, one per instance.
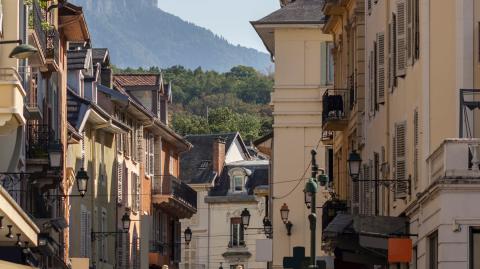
{"points": [[39, 137], [52, 52], [11, 103], [175, 196], [38, 33], [454, 161], [336, 109]]}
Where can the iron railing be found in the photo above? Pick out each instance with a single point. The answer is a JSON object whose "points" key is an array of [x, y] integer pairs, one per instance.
{"points": [[170, 185], [336, 105], [39, 137], [37, 24], [53, 43]]}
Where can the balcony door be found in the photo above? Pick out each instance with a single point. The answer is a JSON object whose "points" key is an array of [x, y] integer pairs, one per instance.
{"points": [[236, 233]]}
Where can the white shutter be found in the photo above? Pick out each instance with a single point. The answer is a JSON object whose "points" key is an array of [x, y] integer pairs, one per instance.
{"points": [[380, 68], [120, 247], [401, 37], [400, 160], [138, 190], [125, 192], [393, 52], [89, 234]]}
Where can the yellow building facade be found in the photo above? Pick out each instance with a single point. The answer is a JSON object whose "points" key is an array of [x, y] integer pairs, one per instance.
{"points": [[303, 71], [415, 71]]}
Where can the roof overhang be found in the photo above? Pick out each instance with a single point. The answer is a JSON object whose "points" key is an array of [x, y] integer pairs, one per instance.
{"points": [[21, 224], [72, 23], [266, 31]]}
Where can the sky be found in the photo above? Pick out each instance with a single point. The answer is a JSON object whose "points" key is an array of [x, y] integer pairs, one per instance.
{"points": [[228, 18]]}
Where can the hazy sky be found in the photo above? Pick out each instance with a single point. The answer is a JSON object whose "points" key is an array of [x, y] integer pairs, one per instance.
{"points": [[228, 18]]}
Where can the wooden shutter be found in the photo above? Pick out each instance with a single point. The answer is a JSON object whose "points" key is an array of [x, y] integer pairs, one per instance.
{"points": [[83, 232], [371, 84], [410, 46], [88, 234], [380, 68], [120, 247], [369, 6], [324, 63], [119, 182], [137, 191], [134, 191], [393, 51], [366, 189], [416, 27], [416, 139], [401, 37], [400, 160]]}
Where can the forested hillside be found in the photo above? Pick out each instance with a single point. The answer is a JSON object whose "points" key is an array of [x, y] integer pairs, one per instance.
{"points": [[212, 102]]}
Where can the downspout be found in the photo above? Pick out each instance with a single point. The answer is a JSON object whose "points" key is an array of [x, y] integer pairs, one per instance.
{"points": [[94, 190], [387, 103], [208, 236]]}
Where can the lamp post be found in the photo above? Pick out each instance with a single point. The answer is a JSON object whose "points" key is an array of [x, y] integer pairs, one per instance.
{"points": [[354, 163], [245, 218], [310, 191], [284, 211], [188, 235]]}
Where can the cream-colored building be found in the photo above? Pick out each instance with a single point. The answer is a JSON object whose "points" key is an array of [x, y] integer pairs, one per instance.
{"points": [[419, 124], [303, 71], [226, 178]]}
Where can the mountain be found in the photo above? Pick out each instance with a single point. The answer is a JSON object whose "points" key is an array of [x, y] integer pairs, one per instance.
{"points": [[139, 34]]}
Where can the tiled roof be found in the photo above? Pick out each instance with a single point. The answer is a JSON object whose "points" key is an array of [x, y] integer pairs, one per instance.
{"points": [[300, 11], [191, 161], [258, 177], [77, 59], [99, 54], [132, 80]]}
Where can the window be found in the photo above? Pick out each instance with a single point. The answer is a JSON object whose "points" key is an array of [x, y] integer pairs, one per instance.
{"points": [[327, 66], [171, 164], [149, 153], [135, 192], [475, 248], [204, 164], [413, 264], [103, 242], [238, 183], [85, 228], [401, 189], [236, 233], [433, 251], [401, 37]]}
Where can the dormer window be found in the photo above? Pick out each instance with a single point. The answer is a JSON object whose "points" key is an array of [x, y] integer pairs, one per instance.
{"points": [[204, 164], [238, 179]]}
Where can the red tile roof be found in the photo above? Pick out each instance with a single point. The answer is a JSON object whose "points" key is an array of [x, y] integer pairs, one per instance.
{"points": [[128, 80]]}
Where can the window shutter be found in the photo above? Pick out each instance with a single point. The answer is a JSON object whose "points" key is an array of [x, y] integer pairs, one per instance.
{"points": [[88, 234], [324, 63], [416, 23], [125, 192], [119, 182], [400, 160], [366, 189], [369, 6], [120, 246], [134, 191], [410, 31], [381, 68], [393, 51], [401, 37], [137, 192], [416, 143], [83, 232]]}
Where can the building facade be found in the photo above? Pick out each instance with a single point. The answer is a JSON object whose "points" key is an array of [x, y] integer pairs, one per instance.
{"points": [[226, 177], [303, 72], [415, 66]]}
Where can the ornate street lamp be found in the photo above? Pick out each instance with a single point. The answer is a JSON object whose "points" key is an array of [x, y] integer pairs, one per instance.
{"points": [[22, 51], [55, 155], [126, 222], [284, 211], [82, 181], [245, 218], [267, 227], [354, 162], [188, 235]]}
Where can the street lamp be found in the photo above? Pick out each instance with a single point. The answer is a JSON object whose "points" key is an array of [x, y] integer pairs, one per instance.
{"points": [[245, 218], [55, 155], [126, 222], [354, 162], [267, 226], [188, 235], [284, 211], [22, 51], [82, 181], [311, 188]]}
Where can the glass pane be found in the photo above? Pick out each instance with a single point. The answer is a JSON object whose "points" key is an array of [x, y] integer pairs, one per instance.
{"points": [[238, 181], [476, 249]]}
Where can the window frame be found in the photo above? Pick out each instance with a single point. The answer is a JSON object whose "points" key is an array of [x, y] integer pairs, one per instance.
{"points": [[472, 232], [433, 237], [236, 233]]}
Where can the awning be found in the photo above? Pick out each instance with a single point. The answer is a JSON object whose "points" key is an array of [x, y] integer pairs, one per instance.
{"points": [[11, 265], [338, 225]]}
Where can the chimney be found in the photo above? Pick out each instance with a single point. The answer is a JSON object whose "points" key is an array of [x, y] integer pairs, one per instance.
{"points": [[218, 157]]}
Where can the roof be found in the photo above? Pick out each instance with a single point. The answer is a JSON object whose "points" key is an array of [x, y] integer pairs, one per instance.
{"points": [[190, 162], [99, 55], [258, 177], [78, 59], [298, 12], [135, 80]]}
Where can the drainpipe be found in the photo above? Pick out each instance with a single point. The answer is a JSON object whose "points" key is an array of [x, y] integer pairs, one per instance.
{"points": [[94, 176], [208, 248]]}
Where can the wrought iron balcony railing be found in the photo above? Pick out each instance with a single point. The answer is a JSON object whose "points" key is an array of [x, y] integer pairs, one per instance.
{"points": [[170, 185], [38, 18], [53, 42], [39, 137], [336, 109]]}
